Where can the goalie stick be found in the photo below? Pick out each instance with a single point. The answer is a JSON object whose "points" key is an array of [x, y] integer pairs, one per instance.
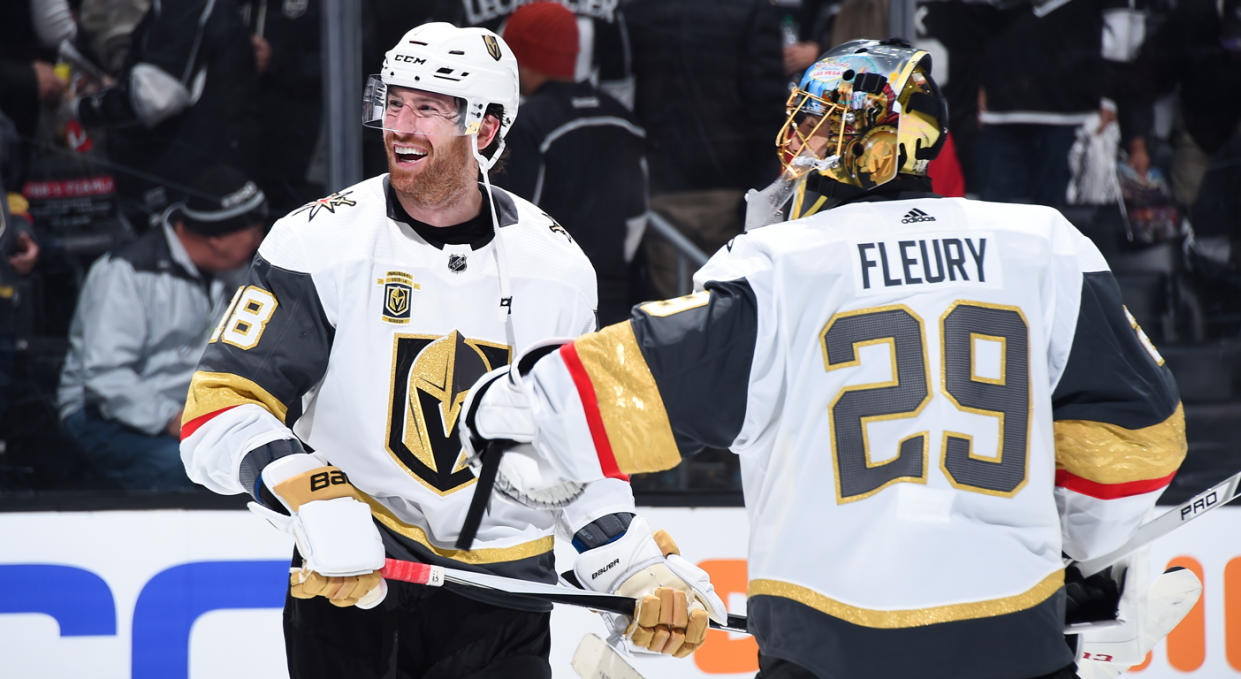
{"points": [[438, 576], [1216, 496]]}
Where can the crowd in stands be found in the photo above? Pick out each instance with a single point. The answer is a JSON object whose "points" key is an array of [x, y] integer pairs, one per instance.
{"points": [[125, 125]]}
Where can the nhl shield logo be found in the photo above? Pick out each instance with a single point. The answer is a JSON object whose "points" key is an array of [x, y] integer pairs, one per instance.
{"points": [[398, 293], [493, 47]]}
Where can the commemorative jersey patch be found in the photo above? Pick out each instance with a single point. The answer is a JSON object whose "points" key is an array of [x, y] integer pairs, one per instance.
{"points": [[398, 296]]}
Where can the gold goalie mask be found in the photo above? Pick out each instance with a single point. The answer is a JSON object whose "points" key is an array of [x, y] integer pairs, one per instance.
{"points": [[865, 111]]}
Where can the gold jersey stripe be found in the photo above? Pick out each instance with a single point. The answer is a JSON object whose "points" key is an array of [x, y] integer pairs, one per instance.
{"points": [[913, 617], [210, 392], [524, 550], [629, 402], [1108, 453]]}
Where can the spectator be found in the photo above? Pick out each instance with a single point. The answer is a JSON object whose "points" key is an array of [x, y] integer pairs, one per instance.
{"points": [[27, 78], [182, 101], [706, 75], [107, 28], [576, 152], [285, 36], [53, 22], [957, 33], [947, 179], [141, 322], [18, 254], [807, 33], [1029, 121], [1190, 54]]}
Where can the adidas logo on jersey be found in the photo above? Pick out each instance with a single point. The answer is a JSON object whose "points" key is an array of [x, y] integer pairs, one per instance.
{"points": [[916, 215]]}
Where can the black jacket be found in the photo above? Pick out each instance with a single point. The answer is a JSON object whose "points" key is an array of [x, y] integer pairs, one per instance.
{"points": [[193, 41], [577, 153], [1046, 58], [1187, 51], [710, 91]]}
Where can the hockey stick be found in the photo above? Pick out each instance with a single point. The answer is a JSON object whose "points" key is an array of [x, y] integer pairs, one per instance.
{"points": [[1216, 496], [438, 576]]}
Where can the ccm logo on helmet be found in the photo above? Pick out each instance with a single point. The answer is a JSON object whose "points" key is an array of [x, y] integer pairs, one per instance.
{"points": [[409, 58], [324, 479]]}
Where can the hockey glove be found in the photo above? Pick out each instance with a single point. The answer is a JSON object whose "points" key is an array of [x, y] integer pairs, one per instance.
{"points": [[675, 598], [1108, 652], [498, 420], [1090, 599], [341, 549]]}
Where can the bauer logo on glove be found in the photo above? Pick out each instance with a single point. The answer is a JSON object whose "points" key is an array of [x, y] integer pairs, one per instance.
{"points": [[675, 598], [324, 479]]}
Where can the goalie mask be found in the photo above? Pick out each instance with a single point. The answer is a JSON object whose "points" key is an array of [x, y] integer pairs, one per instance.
{"points": [[862, 113], [473, 65]]}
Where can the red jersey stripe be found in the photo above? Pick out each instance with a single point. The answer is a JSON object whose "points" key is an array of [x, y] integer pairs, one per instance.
{"points": [[590, 405], [1110, 491]]}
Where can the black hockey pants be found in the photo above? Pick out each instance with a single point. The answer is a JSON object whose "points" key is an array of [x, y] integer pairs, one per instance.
{"points": [[416, 633]]}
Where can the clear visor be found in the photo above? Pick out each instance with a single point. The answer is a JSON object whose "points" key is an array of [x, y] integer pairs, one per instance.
{"points": [[407, 111]]}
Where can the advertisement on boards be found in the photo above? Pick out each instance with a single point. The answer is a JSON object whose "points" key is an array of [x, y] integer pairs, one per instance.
{"points": [[179, 594]]}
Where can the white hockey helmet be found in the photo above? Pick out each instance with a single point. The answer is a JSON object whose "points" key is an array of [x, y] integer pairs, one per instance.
{"points": [[472, 64]]}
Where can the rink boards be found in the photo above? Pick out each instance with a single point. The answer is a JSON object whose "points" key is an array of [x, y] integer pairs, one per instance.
{"points": [[172, 594]]}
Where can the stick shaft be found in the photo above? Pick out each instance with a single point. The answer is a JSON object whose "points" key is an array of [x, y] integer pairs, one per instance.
{"points": [[438, 576], [1216, 496]]}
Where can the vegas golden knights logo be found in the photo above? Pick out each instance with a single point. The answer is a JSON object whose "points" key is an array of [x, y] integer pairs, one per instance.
{"points": [[493, 47], [431, 376], [397, 300]]}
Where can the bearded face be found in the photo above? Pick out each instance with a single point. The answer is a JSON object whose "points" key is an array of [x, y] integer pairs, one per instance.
{"points": [[428, 167]]}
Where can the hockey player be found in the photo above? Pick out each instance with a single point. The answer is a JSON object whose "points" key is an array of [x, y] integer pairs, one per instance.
{"points": [[331, 389], [932, 399]]}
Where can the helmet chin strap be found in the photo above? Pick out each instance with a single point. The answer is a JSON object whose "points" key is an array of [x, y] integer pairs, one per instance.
{"points": [[506, 311]]}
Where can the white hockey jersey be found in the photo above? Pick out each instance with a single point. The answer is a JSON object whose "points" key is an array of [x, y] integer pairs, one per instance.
{"points": [[358, 339], [932, 399]]}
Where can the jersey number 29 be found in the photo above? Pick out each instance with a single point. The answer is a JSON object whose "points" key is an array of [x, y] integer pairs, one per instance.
{"points": [[1005, 397]]}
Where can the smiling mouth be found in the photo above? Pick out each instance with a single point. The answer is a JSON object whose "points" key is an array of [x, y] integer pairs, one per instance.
{"points": [[407, 155]]}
